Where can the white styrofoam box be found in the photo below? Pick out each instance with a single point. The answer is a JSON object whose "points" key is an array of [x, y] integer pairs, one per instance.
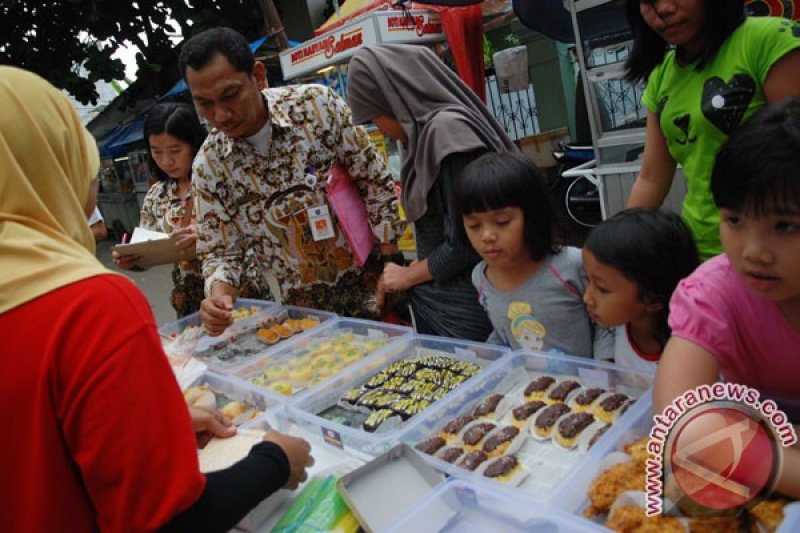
{"points": [[466, 507], [548, 466], [305, 411]]}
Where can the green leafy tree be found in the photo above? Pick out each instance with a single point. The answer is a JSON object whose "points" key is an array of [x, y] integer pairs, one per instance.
{"points": [[70, 42]]}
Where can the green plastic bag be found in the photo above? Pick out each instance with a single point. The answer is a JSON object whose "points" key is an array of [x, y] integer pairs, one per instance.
{"points": [[319, 507]]}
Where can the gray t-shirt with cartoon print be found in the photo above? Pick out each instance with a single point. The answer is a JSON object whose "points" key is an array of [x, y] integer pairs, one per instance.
{"points": [[547, 311]]}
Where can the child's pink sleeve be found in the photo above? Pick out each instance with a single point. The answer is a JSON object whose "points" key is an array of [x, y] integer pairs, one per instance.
{"points": [[698, 312]]}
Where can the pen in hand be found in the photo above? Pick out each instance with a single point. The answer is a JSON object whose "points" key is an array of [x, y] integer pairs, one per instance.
{"points": [[124, 238]]}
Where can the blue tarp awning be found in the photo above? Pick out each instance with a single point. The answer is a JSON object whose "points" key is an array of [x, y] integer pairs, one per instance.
{"points": [[116, 141], [181, 87], [129, 133]]}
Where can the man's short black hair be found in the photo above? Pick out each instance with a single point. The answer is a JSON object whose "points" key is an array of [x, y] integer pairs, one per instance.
{"points": [[200, 49]]}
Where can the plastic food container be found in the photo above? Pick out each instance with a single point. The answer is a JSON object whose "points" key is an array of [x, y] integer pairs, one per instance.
{"points": [[308, 361], [459, 505], [306, 411], [572, 494], [545, 465], [247, 338], [243, 403]]}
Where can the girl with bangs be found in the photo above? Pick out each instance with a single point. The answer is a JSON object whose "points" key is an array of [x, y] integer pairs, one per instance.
{"points": [[531, 286]]}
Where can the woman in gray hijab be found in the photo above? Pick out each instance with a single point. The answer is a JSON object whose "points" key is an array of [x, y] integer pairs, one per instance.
{"points": [[414, 98]]}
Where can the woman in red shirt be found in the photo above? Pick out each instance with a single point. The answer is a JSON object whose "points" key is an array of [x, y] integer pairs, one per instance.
{"points": [[97, 434]]}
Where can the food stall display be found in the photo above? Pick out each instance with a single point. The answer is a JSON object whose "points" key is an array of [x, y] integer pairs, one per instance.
{"points": [[609, 489], [561, 441], [529, 422], [237, 401], [312, 360], [258, 326], [369, 407]]}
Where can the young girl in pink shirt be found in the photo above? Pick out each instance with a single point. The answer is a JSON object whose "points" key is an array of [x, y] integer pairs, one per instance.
{"points": [[738, 315]]}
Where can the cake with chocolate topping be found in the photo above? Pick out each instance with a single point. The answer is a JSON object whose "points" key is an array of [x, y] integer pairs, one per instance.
{"points": [[488, 406], [537, 388], [560, 392], [431, 445], [450, 454], [571, 426], [457, 424], [472, 460], [502, 468], [523, 412], [584, 399], [476, 432], [499, 441], [546, 418], [610, 407]]}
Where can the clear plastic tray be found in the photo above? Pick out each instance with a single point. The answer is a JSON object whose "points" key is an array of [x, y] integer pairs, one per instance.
{"points": [[572, 494], [305, 411], [234, 389], [307, 361], [459, 505], [171, 329], [548, 466], [240, 344]]}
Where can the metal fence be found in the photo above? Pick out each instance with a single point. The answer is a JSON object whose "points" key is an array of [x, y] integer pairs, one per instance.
{"points": [[515, 111]]}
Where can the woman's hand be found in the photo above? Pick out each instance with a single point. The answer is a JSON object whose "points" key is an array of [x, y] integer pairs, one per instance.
{"points": [[209, 423], [185, 238], [298, 452], [125, 262]]}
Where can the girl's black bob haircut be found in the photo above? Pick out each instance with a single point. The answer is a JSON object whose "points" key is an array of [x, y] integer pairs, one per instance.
{"points": [[498, 180], [652, 248], [722, 17], [177, 120], [758, 169]]}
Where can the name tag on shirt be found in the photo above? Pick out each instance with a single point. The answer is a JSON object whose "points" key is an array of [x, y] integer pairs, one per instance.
{"points": [[321, 223]]}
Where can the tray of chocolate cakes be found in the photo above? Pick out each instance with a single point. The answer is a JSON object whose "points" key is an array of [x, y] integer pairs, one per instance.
{"points": [[370, 405], [529, 421]]}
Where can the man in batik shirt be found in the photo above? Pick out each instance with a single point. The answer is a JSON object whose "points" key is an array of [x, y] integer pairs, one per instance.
{"points": [[260, 181]]}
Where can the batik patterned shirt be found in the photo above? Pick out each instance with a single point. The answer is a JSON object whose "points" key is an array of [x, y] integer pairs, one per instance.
{"points": [[164, 210], [254, 205]]}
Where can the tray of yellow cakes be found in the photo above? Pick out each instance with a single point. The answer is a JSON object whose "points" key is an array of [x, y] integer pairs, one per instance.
{"points": [[307, 361]]}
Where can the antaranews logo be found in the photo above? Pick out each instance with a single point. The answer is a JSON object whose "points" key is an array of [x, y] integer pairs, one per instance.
{"points": [[713, 450]]}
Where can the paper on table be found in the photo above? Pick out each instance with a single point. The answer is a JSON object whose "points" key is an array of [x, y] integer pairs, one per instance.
{"points": [[154, 247]]}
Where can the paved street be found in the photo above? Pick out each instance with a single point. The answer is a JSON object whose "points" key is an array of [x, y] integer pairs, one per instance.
{"points": [[155, 283]]}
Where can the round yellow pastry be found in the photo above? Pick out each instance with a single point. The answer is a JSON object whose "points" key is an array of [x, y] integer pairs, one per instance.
{"points": [[322, 361], [233, 409], [281, 387], [282, 330], [276, 372], [297, 362], [200, 396], [268, 336], [300, 376], [308, 323], [292, 325]]}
